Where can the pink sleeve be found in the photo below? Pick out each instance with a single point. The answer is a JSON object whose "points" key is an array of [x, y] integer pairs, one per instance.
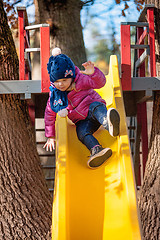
{"points": [[49, 118], [94, 81]]}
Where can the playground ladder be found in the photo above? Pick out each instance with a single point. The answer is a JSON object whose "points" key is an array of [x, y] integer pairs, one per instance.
{"points": [[26, 87], [25, 49]]}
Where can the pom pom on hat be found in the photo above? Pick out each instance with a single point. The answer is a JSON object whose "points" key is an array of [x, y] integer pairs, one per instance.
{"points": [[60, 66], [63, 112], [56, 51]]}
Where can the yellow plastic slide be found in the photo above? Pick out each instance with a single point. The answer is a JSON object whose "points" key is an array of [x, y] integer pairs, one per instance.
{"points": [[95, 204]]}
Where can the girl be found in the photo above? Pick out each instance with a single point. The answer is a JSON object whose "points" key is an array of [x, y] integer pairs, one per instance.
{"points": [[72, 93]]}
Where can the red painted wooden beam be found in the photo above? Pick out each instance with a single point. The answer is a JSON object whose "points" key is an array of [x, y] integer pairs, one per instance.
{"points": [[21, 16], [125, 58], [142, 37], [44, 57], [150, 16]]}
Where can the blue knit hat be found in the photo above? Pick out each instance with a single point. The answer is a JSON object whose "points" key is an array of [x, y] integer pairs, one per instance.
{"points": [[60, 66]]}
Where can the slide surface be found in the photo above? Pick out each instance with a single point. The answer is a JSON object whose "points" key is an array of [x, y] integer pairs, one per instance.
{"points": [[95, 204]]}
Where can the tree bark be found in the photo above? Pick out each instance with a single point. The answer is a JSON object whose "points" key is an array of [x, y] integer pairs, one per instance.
{"points": [[150, 193], [149, 203], [65, 27], [25, 202]]}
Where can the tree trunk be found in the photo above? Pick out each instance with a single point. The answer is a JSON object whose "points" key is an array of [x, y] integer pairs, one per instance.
{"points": [[65, 27], [25, 202], [149, 203], [150, 193]]}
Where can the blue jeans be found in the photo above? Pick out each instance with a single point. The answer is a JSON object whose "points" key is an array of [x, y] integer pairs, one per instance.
{"points": [[97, 116]]}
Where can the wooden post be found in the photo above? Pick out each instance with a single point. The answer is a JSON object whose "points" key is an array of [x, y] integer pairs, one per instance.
{"points": [[21, 16], [142, 121], [142, 108], [150, 16], [125, 58], [137, 164], [44, 57]]}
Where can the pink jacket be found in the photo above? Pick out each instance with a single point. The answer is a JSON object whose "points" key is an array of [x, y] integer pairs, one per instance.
{"points": [[79, 99]]}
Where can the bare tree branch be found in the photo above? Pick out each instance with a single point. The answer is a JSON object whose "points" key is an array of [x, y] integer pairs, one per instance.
{"points": [[15, 3], [88, 2]]}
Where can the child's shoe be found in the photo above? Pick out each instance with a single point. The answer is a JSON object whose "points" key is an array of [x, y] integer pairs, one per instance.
{"points": [[98, 156], [113, 122]]}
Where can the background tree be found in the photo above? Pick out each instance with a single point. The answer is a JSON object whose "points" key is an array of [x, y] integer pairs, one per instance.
{"points": [[150, 192], [66, 29], [65, 26], [25, 202], [104, 47]]}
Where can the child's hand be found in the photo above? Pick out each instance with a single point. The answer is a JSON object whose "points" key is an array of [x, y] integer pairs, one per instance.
{"points": [[89, 68], [50, 144]]}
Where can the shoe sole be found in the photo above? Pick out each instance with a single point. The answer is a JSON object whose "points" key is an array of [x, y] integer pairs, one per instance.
{"points": [[113, 122], [100, 158]]}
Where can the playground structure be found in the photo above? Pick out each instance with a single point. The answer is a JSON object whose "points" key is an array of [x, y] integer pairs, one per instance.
{"points": [[137, 87], [98, 204]]}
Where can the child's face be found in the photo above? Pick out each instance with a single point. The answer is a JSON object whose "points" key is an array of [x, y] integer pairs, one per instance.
{"points": [[63, 84]]}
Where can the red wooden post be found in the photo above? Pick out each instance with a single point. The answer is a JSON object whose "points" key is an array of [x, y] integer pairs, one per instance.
{"points": [[44, 56], [142, 37], [139, 183], [31, 109], [150, 16], [141, 73], [142, 109], [21, 17], [125, 58], [142, 120]]}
